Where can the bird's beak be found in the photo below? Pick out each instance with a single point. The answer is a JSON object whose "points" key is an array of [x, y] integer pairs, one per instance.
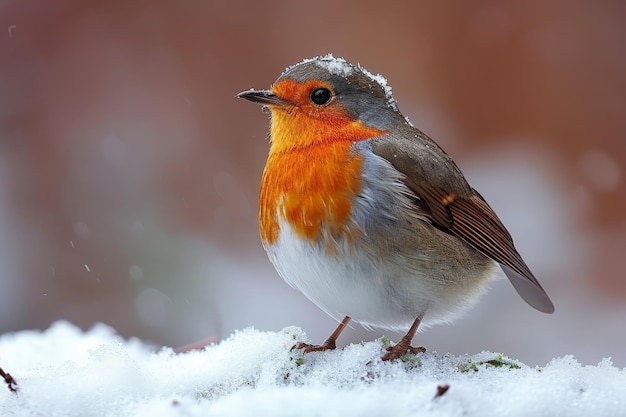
{"points": [[264, 97]]}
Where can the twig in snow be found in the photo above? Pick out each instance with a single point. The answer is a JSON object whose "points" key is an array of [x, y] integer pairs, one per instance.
{"points": [[441, 389], [9, 380]]}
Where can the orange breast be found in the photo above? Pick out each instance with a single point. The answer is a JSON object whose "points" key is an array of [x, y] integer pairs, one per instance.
{"points": [[314, 188], [311, 175]]}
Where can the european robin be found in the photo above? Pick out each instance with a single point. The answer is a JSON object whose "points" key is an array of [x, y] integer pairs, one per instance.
{"points": [[366, 215]]}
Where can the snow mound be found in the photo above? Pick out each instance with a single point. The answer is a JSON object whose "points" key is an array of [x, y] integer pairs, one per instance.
{"points": [[65, 371]]}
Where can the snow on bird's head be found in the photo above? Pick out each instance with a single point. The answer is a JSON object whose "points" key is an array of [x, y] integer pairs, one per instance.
{"points": [[342, 68]]}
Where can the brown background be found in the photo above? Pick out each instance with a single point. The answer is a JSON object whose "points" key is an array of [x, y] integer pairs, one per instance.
{"points": [[129, 172]]}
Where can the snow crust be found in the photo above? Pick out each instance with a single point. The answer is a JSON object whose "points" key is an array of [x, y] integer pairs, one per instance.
{"points": [[65, 371]]}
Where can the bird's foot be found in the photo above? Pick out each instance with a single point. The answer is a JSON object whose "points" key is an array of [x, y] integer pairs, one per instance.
{"points": [[308, 348], [399, 350], [329, 344]]}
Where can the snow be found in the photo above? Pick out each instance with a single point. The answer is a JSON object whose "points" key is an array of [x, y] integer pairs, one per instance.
{"points": [[335, 66], [382, 81], [65, 371]]}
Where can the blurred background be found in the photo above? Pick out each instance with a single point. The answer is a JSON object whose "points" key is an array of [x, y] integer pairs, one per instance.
{"points": [[129, 173]]}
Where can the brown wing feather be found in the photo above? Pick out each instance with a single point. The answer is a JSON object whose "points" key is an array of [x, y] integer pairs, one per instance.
{"points": [[456, 208], [476, 223]]}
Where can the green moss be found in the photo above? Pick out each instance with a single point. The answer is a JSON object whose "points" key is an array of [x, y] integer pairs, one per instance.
{"points": [[385, 341], [299, 361], [411, 359], [469, 367], [498, 362]]}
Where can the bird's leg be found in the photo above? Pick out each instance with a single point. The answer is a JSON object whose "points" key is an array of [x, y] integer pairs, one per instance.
{"points": [[330, 343], [404, 345]]}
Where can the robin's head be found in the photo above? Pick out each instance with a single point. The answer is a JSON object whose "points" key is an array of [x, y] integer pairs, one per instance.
{"points": [[326, 99]]}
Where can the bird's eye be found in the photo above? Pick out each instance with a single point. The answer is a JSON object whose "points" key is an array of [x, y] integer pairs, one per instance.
{"points": [[321, 96]]}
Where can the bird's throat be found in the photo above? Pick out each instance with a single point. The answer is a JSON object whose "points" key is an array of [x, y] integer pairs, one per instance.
{"points": [[299, 128]]}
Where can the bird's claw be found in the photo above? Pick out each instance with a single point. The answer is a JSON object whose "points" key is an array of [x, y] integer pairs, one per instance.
{"points": [[399, 350], [308, 348]]}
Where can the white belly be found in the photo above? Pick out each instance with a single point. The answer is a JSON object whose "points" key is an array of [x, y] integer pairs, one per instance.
{"points": [[374, 292]]}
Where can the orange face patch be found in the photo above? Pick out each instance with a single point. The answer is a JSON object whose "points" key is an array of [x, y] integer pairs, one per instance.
{"points": [[304, 124], [311, 171]]}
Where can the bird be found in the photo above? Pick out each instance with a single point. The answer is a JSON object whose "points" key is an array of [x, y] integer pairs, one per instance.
{"points": [[367, 216]]}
